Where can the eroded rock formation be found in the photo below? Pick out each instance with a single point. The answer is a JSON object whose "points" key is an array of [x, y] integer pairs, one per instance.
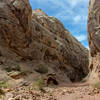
{"points": [[42, 39], [15, 22], [94, 39], [64, 48]]}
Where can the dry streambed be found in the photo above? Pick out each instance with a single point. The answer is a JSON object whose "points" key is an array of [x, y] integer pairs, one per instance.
{"points": [[79, 91]]}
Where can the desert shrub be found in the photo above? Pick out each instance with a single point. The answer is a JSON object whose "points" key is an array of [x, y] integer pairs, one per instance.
{"points": [[3, 84], [97, 85], [11, 68], [1, 93], [39, 84]]}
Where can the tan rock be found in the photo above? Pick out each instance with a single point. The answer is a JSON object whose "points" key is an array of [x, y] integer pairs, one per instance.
{"points": [[58, 46], [15, 74], [15, 22], [3, 75], [94, 39]]}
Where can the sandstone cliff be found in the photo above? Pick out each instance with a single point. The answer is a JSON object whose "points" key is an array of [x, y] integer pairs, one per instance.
{"points": [[94, 39], [39, 43], [72, 56]]}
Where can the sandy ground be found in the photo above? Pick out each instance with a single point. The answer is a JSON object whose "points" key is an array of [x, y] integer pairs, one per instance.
{"points": [[76, 91]]}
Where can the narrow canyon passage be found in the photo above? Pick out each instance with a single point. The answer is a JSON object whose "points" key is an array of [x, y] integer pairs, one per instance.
{"points": [[40, 59]]}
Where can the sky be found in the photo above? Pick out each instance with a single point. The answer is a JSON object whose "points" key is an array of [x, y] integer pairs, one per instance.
{"points": [[72, 13]]}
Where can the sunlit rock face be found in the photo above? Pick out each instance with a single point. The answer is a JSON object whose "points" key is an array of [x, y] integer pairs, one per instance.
{"points": [[94, 39], [41, 40]]}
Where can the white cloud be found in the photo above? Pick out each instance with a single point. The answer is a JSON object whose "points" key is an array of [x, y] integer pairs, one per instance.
{"points": [[81, 37], [77, 19], [57, 3], [68, 12], [66, 8], [74, 3]]}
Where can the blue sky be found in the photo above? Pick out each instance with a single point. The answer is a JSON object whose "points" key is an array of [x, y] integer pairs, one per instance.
{"points": [[72, 13]]}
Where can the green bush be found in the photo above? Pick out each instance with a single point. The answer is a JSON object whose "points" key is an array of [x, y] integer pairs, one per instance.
{"points": [[3, 84], [39, 84], [1, 93], [97, 85], [11, 68]]}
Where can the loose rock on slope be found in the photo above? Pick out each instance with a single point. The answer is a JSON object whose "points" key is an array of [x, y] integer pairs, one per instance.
{"points": [[42, 39]]}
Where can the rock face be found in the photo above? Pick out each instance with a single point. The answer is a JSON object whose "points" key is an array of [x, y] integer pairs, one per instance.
{"points": [[94, 39], [42, 41], [72, 57], [15, 20]]}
